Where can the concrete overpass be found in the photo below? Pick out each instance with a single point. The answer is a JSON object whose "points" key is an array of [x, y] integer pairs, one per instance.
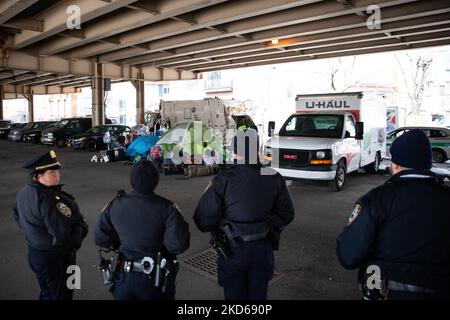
{"points": [[60, 46]]}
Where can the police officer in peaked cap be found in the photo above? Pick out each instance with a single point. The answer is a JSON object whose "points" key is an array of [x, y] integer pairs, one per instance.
{"points": [[398, 233], [247, 206], [149, 232], [52, 224]]}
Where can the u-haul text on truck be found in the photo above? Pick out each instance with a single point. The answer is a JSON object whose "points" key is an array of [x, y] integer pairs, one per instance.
{"points": [[329, 136]]}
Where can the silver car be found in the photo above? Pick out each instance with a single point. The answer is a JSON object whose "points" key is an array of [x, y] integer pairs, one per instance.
{"points": [[439, 138]]}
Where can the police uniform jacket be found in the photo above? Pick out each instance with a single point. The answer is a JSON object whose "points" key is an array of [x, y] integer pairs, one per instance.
{"points": [[49, 218], [246, 200], [402, 227], [140, 225]]}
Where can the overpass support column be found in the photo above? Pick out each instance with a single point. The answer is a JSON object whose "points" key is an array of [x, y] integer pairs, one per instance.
{"points": [[98, 95], [30, 100], [1, 102], [140, 97]]}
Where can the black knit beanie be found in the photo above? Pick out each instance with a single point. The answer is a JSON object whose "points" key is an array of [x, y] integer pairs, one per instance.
{"points": [[144, 176]]}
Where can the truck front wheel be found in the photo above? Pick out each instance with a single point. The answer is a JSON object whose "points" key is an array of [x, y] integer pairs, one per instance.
{"points": [[339, 179], [374, 167]]}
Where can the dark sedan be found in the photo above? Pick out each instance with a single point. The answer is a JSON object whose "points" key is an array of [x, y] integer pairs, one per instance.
{"points": [[5, 129], [92, 139], [17, 134], [35, 135]]}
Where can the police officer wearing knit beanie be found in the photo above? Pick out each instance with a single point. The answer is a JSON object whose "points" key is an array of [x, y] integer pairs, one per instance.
{"points": [[145, 228], [412, 150], [401, 228]]}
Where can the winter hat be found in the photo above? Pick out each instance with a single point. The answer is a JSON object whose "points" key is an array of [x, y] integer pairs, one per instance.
{"points": [[144, 176], [412, 150]]}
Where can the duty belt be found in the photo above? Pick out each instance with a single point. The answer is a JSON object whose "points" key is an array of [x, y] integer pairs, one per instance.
{"points": [[398, 286], [145, 265]]}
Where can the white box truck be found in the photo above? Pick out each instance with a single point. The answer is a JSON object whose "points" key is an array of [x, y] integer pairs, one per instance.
{"points": [[329, 136]]}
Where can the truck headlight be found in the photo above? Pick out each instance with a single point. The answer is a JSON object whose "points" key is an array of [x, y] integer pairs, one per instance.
{"points": [[320, 154], [50, 135]]}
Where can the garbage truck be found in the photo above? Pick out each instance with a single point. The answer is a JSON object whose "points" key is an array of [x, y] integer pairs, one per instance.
{"points": [[214, 113], [329, 136]]}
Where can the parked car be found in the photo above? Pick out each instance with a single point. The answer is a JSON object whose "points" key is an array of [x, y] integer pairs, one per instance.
{"points": [[65, 128], [35, 135], [439, 138], [17, 134], [92, 139], [6, 128], [5, 123]]}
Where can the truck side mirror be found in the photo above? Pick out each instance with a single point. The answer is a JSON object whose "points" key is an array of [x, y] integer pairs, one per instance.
{"points": [[359, 130], [271, 128]]}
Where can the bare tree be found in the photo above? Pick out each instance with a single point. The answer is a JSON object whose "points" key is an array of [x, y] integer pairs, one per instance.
{"points": [[334, 69], [341, 75], [414, 73]]}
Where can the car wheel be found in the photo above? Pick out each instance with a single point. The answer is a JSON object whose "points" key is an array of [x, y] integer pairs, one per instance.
{"points": [[61, 143], [439, 156], [374, 167], [91, 145], [339, 179]]}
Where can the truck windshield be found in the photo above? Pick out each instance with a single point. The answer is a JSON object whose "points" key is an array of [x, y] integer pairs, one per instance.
{"points": [[244, 121], [313, 125], [62, 123]]}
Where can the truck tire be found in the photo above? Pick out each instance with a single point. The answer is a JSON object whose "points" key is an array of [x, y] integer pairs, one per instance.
{"points": [[339, 179], [91, 145], [374, 167], [439, 156], [60, 143]]}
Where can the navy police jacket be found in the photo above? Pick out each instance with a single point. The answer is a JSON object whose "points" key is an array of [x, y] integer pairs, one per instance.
{"points": [[49, 218], [142, 225], [403, 227], [246, 199]]}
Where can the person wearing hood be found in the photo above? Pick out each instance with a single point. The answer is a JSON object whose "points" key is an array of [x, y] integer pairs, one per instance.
{"points": [[149, 232], [398, 233], [52, 224]]}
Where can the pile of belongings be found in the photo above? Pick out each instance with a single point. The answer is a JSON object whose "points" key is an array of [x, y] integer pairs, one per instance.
{"points": [[142, 143], [180, 146]]}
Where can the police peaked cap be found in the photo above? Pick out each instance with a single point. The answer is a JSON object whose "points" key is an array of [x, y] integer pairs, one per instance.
{"points": [[44, 162]]}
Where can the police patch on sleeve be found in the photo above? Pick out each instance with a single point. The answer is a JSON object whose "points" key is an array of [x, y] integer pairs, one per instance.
{"points": [[64, 209], [355, 213]]}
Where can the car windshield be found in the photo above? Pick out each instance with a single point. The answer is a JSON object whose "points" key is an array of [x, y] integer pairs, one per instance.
{"points": [[62, 123], [316, 125], [39, 125], [29, 125], [98, 129]]}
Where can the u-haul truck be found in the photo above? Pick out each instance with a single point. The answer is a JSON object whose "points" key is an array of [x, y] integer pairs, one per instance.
{"points": [[329, 136]]}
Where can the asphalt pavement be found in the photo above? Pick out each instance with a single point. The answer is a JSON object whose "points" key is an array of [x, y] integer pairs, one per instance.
{"points": [[306, 262]]}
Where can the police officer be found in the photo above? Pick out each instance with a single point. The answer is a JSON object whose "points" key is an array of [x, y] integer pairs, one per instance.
{"points": [[149, 231], [398, 234], [52, 224], [249, 207]]}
